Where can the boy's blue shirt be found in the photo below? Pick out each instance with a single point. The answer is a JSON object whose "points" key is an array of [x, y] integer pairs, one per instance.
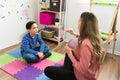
{"points": [[28, 43]]}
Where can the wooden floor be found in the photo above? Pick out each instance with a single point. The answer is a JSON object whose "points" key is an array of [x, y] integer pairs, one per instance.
{"points": [[110, 69]]}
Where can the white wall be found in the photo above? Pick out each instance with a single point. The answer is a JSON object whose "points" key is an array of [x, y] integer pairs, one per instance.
{"points": [[74, 9], [104, 14], [14, 14]]}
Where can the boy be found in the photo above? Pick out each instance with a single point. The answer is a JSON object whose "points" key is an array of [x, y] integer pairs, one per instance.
{"points": [[33, 47]]}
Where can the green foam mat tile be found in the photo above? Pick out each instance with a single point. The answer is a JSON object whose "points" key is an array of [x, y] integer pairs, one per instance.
{"points": [[5, 59], [56, 57]]}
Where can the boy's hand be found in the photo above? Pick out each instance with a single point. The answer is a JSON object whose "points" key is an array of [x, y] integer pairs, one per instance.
{"points": [[40, 55]]}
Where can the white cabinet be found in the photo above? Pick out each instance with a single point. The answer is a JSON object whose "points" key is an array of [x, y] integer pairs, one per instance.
{"points": [[51, 19]]}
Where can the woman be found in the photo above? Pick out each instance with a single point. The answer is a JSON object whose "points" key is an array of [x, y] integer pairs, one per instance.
{"points": [[83, 63]]}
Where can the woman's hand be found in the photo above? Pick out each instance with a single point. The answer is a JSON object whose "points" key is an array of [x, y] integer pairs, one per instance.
{"points": [[70, 31], [68, 49]]}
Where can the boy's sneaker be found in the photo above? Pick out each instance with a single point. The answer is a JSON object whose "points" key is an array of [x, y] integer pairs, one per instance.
{"points": [[47, 55]]}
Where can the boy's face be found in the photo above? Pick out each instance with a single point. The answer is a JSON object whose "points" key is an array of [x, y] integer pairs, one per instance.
{"points": [[34, 29]]}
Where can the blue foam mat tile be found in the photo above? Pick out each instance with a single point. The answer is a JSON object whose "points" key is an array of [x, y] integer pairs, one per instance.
{"points": [[43, 77], [15, 53]]}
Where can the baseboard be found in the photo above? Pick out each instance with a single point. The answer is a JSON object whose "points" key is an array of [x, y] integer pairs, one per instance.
{"points": [[116, 52], [4, 50], [66, 40]]}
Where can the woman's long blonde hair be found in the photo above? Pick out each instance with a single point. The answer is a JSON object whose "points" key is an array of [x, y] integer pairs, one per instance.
{"points": [[89, 29]]}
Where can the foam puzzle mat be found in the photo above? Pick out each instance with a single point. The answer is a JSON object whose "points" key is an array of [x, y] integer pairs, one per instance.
{"points": [[13, 63]]}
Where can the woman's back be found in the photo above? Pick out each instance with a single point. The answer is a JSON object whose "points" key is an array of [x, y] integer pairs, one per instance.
{"points": [[86, 67]]}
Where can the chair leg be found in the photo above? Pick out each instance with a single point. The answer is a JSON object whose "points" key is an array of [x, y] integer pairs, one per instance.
{"points": [[115, 35], [104, 55]]}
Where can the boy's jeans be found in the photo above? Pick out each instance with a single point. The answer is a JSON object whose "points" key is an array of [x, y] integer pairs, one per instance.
{"points": [[31, 58]]}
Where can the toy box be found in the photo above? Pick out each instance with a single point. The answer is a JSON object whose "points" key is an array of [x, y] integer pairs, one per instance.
{"points": [[46, 18], [55, 5]]}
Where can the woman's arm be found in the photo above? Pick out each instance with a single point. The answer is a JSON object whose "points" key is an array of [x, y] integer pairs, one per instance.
{"points": [[81, 65], [70, 31], [84, 60]]}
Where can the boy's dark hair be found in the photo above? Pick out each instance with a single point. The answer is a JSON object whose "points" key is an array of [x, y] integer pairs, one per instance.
{"points": [[29, 24]]}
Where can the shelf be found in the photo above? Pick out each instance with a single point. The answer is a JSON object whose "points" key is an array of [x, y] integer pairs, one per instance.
{"points": [[51, 11], [53, 39], [53, 26]]}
